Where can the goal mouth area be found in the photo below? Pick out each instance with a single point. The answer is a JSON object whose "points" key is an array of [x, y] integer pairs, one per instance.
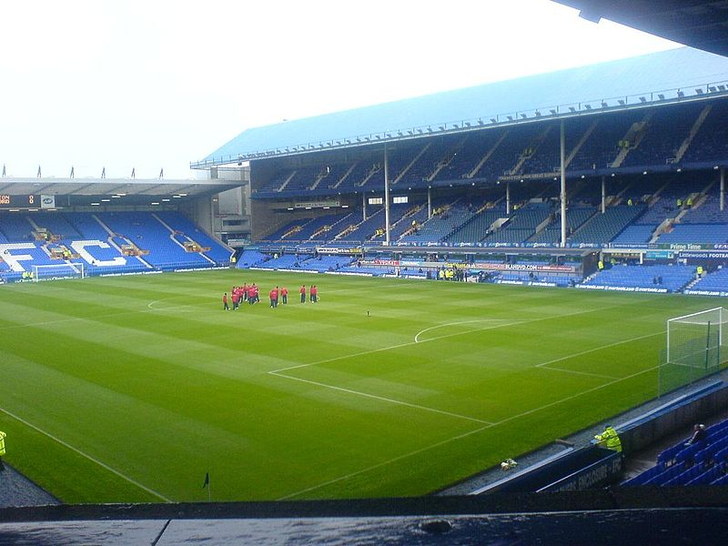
{"points": [[695, 348], [717, 315], [66, 270], [723, 319]]}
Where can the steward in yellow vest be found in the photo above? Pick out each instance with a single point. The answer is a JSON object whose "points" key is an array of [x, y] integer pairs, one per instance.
{"points": [[609, 439]]}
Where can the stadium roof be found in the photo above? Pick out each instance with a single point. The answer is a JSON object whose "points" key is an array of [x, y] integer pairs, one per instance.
{"points": [[130, 191], [702, 24], [676, 75]]}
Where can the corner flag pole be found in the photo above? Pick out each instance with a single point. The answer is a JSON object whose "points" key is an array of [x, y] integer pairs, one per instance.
{"points": [[206, 484]]}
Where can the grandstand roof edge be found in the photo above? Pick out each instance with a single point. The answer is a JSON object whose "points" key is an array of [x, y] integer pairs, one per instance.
{"points": [[673, 75], [110, 186], [176, 181]]}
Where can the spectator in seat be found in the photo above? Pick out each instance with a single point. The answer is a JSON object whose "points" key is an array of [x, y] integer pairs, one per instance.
{"points": [[700, 434]]}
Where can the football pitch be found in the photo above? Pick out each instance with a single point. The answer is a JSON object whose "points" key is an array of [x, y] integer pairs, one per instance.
{"points": [[134, 389]]}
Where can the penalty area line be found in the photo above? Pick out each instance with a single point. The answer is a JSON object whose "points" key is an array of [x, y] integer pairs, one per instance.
{"points": [[86, 455], [381, 398], [547, 365]]}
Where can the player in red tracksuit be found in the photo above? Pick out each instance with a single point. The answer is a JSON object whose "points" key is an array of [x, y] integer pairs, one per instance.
{"points": [[313, 294], [284, 295], [302, 291], [236, 298], [225, 306], [273, 295]]}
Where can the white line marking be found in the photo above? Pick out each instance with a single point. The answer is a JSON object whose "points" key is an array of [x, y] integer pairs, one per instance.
{"points": [[381, 398], [599, 349], [590, 374], [278, 372], [445, 325], [384, 463], [342, 357], [458, 437], [577, 395], [87, 456], [410, 343]]}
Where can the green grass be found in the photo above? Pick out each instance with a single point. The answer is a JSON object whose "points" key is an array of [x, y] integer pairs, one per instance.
{"points": [[130, 389]]}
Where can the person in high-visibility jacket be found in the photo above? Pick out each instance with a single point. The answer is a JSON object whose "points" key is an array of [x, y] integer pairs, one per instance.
{"points": [[609, 439], [2, 448]]}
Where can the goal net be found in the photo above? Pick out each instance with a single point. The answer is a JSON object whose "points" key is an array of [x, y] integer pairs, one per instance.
{"points": [[694, 348], [65, 270]]}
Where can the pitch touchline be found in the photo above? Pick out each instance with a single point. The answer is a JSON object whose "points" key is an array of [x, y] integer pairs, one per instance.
{"points": [[382, 398], [458, 437], [86, 455], [384, 463]]}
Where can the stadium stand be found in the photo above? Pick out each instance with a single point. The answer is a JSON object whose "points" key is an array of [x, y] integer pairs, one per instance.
{"points": [[250, 258], [701, 463], [108, 242], [671, 278], [713, 281], [602, 228]]}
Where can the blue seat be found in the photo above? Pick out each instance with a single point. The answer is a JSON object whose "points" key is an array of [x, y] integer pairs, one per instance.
{"points": [[706, 476], [666, 475]]}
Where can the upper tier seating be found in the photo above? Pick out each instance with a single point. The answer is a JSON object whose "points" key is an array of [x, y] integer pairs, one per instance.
{"points": [[602, 228], [476, 229], [696, 233], [601, 148], [55, 223], [441, 224], [711, 141], [666, 129], [706, 212], [16, 228], [575, 218], [522, 225], [149, 234], [635, 234], [189, 231]]}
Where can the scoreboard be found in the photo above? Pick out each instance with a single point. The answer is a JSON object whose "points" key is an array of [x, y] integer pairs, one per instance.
{"points": [[19, 201]]}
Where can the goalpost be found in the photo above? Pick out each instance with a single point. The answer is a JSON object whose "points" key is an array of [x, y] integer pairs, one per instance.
{"points": [[65, 270], [694, 348]]}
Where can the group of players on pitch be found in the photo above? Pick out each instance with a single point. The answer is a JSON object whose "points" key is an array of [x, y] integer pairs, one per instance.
{"points": [[250, 294]]}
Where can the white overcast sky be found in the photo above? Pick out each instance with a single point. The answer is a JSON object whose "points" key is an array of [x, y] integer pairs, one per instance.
{"points": [[152, 84]]}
